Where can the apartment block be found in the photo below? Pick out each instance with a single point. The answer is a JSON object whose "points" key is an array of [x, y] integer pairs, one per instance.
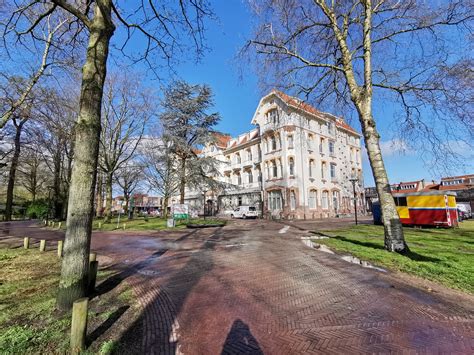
{"points": [[296, 163]]}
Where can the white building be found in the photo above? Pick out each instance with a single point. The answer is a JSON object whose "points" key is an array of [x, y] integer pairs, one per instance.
{"points": [[296, 163]]}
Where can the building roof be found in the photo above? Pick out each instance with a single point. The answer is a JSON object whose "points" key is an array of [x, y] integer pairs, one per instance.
{"points": [[457, 177], [297, 103], [222, 139]]}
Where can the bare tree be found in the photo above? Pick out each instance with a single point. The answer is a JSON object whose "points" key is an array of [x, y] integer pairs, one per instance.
{"points": [[187, 127], [163, 29], [127, 109], [33, 175], [340, 51], [128, 177], [52, 28], [18, 123], [160, 168]]}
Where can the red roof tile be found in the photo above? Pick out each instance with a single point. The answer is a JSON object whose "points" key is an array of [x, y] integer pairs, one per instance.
{"points": [[292, 101]]}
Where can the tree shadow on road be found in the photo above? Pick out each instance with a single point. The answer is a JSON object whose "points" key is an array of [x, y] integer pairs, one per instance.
{"points": [[158, 321], [409, 254]]}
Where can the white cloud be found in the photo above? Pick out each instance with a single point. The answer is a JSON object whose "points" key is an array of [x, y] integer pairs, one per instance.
{"points": [[393, 147]]}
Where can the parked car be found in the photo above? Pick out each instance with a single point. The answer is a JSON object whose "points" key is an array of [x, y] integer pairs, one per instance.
{"points": [[244, 212]]}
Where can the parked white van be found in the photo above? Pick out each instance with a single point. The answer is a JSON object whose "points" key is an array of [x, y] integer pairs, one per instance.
{"points": [[244, 212]]}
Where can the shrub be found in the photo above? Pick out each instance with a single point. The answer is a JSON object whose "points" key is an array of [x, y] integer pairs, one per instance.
{"points": [[37, 209]]}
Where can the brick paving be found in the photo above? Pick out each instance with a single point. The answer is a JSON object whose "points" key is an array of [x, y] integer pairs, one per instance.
{"points": [[247, 289]]}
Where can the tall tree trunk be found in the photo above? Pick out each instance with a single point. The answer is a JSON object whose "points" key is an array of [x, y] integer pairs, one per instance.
{"points": [[165, 206], [394, 238], [75, 264], [57, 185], [108, 197], [99, 199], [12, 173], [182, 182], [126, 200]]}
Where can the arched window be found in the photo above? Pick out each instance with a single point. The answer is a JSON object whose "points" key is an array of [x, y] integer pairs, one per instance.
{"points": [[324, 200], [291, 164], [274, 169], [313, 195], [292, 200], [335, 199], [311, 168]]}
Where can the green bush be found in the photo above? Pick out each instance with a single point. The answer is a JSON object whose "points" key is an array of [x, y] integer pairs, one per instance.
{"points": [[37, 209], [15, 340]]}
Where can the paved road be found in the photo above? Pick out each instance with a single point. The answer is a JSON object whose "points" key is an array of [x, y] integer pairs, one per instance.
{"points": [[246, 288]]}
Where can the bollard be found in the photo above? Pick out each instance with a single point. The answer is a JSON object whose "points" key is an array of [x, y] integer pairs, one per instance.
{"points": [[79, 325], [92, 257], [124, 226], [93, 266], [59, 225], [26, 242], [43, 245], [100, 225], [45, 222], [60, 248]]}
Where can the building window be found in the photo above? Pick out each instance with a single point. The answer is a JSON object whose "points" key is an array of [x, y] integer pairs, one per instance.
{"points": [[272, 116], [274, 169], [333, 171], [312, 199], [310, 142], [292, 200], [321, 146], [331, 127], [290, 141], [311, 168], [249, 155], [274, 200], [323, 170], [274, 143], [259, 153], [335, 200], [331, 148], [237, 158], [250, 177], [240, 201], [324, 200], [239, 179], [291, 164]]}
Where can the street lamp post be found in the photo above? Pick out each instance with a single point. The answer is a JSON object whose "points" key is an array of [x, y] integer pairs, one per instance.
{"points": [[353, 181]]}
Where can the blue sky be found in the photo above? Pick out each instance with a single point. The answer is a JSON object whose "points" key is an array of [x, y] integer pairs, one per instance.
{"points": [[237, 97]]}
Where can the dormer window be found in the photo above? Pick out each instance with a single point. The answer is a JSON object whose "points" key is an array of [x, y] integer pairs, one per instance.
{"points": [[272, 116]]}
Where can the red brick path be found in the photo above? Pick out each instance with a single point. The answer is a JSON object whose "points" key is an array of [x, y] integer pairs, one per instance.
{"points": [[246, 289]]}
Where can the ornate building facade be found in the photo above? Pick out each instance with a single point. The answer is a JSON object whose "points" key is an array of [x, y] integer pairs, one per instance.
{"points": [[297, 163]]}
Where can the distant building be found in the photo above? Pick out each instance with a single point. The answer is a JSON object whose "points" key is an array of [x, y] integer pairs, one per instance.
{"points": [[295, 164], [462, 185], [140, 203], [371, 195]]}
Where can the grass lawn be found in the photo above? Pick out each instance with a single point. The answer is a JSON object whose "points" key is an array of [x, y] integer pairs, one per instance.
{"points": [[442, 255], [29, 322], [150, 223]]}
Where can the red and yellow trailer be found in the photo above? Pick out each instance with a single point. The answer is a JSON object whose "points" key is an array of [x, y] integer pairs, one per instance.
{"points": [[430, 208]]}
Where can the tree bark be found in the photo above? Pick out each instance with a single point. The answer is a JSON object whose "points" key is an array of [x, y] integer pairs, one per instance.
{"points": [[57, 185], [394, 238], [12, 172], [75, 265], [99, 199], [182, 183], [108, 197]]}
